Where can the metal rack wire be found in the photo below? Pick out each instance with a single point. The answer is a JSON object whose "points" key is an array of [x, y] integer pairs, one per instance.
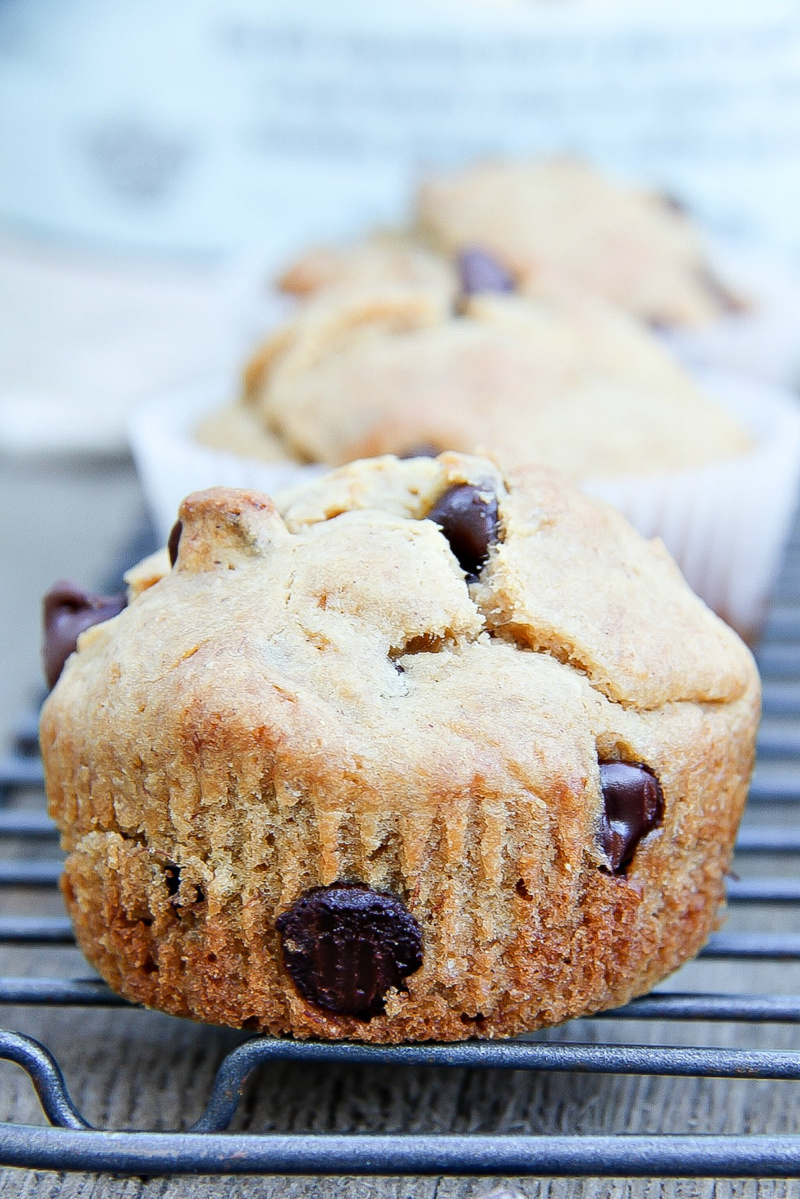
{"points": [[70, 1143]]}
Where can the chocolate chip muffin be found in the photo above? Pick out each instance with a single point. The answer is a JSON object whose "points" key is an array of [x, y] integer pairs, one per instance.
{"points": [[637, 248], [425, 750], [554, 375], [376, 260]]}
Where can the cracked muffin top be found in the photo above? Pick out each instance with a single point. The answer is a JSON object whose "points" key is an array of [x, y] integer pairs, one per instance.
{"points": [[637, 248], [554, 375], [434, 561], [558, 574]]}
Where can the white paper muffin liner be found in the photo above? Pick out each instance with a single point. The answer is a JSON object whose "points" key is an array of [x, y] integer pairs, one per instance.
{"points": [[762, 342], [725, 524], [171, 463]]}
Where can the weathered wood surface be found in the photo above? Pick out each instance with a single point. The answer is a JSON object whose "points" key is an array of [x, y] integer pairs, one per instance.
{"points": [[138, 1069]]}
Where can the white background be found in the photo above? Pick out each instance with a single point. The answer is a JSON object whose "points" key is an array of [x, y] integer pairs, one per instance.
{"points": [[217, 125]]}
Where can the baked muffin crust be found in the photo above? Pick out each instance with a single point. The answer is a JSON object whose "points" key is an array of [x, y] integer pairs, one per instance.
{"points": [[315, 696], [555, 376], [636, 248]]}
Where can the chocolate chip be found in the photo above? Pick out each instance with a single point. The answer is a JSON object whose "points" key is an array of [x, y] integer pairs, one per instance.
{"points": [[424, 450], [634, 806], [346, 945], [467, 516], [479, 271], [174, 541], [68, 610]]}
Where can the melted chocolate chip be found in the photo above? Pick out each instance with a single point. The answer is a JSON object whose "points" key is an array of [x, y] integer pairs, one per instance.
{"points": [[68, 610], [479, 271], [424, 450], [346, 945], [634, 806], [467, 516], [174, 541]]}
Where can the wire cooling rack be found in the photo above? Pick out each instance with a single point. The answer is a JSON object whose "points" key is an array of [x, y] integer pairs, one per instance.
{"points": [[71, 1143]]}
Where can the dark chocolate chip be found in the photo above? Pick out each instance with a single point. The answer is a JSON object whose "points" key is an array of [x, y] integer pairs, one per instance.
{"points": [[68, 610], [424, 450], [467, 516], [174, 541], [633, 807], [479, 271], [346, 945]]}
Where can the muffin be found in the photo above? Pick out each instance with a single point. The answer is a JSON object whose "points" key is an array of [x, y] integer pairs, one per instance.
{"points": [[375, 261], [238, 428], [636, 248], [423, 750], [556, 376]]}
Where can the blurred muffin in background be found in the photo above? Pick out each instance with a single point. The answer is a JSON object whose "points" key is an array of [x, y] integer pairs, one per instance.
{"points": [[555, 375], [238, 428], [382, 258], [636, 248]]}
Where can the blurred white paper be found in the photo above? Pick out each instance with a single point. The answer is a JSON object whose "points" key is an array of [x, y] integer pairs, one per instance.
{"points": [[224, 123], [83, 337]]}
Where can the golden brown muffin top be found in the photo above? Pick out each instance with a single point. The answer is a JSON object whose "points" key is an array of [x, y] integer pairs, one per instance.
{"points": [[555, 376], [635, 247], [331, 587]]}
